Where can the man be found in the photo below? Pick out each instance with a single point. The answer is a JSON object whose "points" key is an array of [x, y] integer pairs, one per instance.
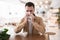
{"points": [[36, 24]]}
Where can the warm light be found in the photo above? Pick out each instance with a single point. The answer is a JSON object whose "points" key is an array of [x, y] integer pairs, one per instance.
{"points": [[41, 3], [46, 6], [46, 1], [55, 10]]}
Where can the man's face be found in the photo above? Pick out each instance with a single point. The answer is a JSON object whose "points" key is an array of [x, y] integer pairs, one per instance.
{"points": [[29, 10]]}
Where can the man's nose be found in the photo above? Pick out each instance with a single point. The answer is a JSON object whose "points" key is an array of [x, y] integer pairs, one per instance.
{"points": [[29, 12]]}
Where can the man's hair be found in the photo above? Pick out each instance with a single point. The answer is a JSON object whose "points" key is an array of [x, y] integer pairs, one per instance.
{"points": [[29, 4]]}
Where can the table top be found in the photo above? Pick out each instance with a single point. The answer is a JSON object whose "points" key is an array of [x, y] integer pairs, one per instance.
{"points": [[29, 37]]}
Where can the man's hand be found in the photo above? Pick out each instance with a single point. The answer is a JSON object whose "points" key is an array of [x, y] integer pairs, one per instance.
{"points": [[32, 17]]}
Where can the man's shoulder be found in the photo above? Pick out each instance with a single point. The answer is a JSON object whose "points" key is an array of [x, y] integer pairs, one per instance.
{"points": [[39, 18], [22, 19]]}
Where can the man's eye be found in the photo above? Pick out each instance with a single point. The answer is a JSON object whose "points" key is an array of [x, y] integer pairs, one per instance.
{"points": [[30, 10], [27, 10]]}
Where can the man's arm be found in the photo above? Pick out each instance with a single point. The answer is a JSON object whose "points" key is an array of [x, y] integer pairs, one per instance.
{"points": [[20, 26], [40, 27]]}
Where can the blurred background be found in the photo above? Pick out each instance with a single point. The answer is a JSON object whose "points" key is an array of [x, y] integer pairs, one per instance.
{"points": [[12, 11]]}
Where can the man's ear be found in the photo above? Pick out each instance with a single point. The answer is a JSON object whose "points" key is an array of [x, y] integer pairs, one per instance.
{"points": [[34, 9], [33, 14]]}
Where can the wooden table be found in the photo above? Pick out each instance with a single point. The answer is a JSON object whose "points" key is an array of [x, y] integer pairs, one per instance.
{"points": [[34, 37], [30, 37]]}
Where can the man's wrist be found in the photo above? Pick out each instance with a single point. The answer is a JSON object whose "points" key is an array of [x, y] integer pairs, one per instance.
{"points": [[33, 22]]}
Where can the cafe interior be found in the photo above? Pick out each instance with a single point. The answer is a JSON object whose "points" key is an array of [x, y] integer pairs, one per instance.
{"points": [[12, 11]]}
